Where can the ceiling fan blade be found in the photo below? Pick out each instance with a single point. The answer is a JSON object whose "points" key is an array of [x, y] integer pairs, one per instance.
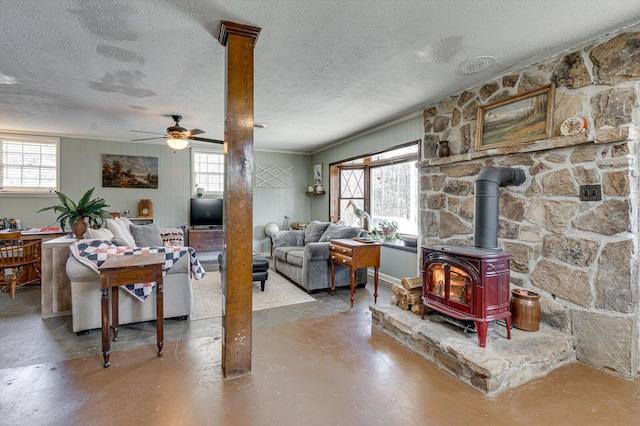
{"points": [[195, 132], [206, 140], [151, 133], [147, 139]]}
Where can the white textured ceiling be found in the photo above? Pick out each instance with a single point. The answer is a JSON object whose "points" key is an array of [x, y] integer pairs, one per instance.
{"points": [[324, 69]]}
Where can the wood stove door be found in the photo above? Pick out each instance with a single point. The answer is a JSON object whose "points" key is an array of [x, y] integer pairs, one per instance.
{"points": [[460, 289], [435, 286], [450, 282]]}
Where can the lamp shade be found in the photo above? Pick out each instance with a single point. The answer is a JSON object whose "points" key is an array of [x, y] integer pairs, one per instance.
{"points": [[178, 143]]}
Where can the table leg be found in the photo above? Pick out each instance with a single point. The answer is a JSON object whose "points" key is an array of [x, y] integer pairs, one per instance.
{"points": [[115, 312], [333, 278], [160, 315], [106, 344], [375, 285], [353, 284]]}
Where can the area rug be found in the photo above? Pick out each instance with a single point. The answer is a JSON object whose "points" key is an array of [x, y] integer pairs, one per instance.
{"points": [[207, 295]]}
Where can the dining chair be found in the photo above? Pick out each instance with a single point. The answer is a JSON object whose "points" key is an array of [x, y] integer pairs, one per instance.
{"points": [[21, 258]]}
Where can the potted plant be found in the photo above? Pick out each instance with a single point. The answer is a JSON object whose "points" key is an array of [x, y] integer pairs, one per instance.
{"points": [[199, 191], [389, 228], [77, 215]]}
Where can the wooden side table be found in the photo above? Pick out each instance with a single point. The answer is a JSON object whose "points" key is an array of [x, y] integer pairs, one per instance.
{"points": [[123, 270], [354, 255]]}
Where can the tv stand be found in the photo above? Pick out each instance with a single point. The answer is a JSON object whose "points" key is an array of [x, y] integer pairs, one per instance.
{"points": [[206, 239]]}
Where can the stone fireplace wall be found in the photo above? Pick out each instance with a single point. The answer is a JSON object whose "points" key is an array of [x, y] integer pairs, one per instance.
{"points": [[581, 256]]}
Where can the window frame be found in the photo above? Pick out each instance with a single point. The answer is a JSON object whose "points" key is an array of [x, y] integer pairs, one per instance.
{"points": [[209, 151], [27, 138], [366, 162]]}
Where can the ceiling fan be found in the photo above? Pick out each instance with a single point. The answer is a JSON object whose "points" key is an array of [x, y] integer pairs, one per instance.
{"points": [[177, 136]]}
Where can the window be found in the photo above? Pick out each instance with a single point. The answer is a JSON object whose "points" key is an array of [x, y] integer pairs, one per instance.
{"points": [[208, 171], [28, 164], [385, 185]]}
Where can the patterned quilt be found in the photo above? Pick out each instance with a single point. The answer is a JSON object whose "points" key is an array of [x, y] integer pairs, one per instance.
{"points": [[93, 253]]}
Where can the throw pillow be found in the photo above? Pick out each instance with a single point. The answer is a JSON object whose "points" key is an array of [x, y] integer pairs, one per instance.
{"points": [[121, 235], [335, 232], [98, 234], [146, 235], [314, 231]]}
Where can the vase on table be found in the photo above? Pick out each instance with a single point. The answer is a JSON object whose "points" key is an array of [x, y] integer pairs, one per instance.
{"points": [[443, 149], [79, 228]]}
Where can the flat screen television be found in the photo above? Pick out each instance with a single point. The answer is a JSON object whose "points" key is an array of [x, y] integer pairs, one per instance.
{"points": [[206, 212]]}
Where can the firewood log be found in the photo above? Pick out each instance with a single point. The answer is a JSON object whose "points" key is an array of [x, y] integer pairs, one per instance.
{"points": [[411, 283]]}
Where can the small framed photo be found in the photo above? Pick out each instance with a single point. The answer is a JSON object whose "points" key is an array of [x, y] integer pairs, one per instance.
{"points": [[317, 174], [522, 118]]}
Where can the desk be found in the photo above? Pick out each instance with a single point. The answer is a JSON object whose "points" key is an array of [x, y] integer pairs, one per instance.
{"points": [[123, 270], [354, 255], [44, 236]]}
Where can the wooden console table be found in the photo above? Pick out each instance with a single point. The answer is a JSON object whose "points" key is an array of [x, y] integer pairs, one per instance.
{"points": [[123, 270], [354, 255], [55, 288], [206, 239]]}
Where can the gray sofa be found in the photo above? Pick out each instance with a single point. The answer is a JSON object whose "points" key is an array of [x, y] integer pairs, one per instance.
{"points": [[303, 255]]}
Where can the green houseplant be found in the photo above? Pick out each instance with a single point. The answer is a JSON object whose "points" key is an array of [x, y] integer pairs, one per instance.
{"points": [[87, 209]]}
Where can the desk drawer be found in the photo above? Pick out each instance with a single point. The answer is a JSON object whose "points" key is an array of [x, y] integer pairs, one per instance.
{"points": [[340, 259], [131, 276], [340, 250]]}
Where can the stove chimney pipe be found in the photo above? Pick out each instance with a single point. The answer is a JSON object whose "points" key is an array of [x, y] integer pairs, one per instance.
{"points": [[485, 234]]}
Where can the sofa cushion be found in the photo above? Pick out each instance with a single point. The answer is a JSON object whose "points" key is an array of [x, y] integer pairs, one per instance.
{"points": [[172, 236], [98, 234], [335, 231], [317, 251], [295, 257], [280, 253], [314, 231], [287, 238], [121, 234], [146, 235]]}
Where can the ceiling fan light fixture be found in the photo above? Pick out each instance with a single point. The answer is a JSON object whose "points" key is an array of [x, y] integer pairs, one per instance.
{"points": [[178, 143]]}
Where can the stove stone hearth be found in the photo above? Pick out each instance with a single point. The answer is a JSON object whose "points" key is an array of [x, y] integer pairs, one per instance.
{"points": [[503, 364]]}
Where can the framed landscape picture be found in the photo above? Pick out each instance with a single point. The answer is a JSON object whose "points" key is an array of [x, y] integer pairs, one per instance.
{"points": [[128, 171], [522, 118]]}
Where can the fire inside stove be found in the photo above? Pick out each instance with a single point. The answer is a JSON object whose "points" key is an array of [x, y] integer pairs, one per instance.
{"points": [[469, 284], [459, 288]]}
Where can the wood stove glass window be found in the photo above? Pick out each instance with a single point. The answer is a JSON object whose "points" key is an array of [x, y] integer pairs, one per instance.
{"points": [[449, 284]]}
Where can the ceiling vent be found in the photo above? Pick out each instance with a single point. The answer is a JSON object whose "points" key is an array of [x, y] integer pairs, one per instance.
{"points": [[475, 65]]}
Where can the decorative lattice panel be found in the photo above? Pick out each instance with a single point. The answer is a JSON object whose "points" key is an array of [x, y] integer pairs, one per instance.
{"points": [[273, 176]]}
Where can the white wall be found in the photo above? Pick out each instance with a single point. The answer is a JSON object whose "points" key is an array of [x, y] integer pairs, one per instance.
{"points": [[273, 204]]}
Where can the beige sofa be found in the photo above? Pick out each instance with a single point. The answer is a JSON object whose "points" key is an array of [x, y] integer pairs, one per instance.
{"points": [[85, 279], [86, 296]]}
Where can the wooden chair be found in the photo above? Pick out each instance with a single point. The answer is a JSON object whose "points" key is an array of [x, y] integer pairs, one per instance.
{"points": [[22, 258]]}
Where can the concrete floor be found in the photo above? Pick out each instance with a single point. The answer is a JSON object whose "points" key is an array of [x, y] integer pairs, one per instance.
{"points": [[317, 363]]}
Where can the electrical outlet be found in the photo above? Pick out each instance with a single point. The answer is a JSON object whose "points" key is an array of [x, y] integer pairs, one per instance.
{"points": [[590, 192]]}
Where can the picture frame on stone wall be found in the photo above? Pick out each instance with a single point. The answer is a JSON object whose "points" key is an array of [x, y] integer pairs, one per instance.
{"points": [[522, 118]]}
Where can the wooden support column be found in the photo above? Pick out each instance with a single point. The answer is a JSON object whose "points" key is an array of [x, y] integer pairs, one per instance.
{"points": [[239, 41]]}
